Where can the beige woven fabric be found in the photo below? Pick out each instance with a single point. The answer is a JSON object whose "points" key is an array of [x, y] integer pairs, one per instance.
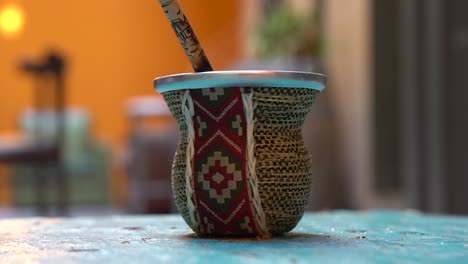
{"points": [[174, 101], [282, 161]]}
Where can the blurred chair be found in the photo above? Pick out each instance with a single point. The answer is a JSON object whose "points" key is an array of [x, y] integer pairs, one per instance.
{"points": [[85, 160], [40, 150]]}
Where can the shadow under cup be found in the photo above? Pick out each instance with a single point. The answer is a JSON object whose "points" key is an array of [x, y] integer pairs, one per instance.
{"points": [[241, 168]]}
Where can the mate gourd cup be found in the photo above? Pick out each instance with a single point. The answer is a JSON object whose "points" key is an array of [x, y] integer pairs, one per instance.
{"points": [[241, 168]]}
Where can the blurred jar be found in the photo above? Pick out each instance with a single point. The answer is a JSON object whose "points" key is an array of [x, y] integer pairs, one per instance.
{"points": [[152, 141]]}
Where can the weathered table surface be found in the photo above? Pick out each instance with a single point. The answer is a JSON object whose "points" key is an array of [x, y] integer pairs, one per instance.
{"points": [[330, 237]]}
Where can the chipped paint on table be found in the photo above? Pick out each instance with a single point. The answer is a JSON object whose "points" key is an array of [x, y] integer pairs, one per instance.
{"points": [[330, 237]]}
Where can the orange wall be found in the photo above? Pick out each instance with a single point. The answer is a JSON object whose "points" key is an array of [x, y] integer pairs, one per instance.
{"points": [[115, 49]]}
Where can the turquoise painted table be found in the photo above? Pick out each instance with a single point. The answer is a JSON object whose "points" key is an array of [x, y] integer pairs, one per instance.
{"points": [[330, 237]]}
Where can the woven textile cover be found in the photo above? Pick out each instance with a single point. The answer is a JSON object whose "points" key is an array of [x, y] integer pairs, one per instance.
{"points": [[221, 186], [222, 197]]}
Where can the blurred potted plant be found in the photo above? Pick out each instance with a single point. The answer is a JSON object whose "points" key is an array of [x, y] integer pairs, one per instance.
{"points": [[289, 40]]}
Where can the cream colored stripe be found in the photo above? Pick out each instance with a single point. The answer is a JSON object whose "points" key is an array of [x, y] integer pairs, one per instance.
{"points": [[188, 111], [254, 195]]}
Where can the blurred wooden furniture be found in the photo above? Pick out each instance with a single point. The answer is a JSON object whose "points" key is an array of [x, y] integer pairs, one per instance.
{"points": [[86, 161], [432, 60], [20, 149], [42, 150]]}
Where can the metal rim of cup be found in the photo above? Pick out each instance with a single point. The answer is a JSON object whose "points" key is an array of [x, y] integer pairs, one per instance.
{"points": [[214, 79]]}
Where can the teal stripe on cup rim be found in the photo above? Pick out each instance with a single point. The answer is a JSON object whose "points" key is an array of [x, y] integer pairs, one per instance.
{"points": [[213, 79]]}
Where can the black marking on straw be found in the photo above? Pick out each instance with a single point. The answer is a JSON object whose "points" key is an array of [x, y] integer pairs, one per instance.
{"points": [[168, 3], [204, 66]]}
